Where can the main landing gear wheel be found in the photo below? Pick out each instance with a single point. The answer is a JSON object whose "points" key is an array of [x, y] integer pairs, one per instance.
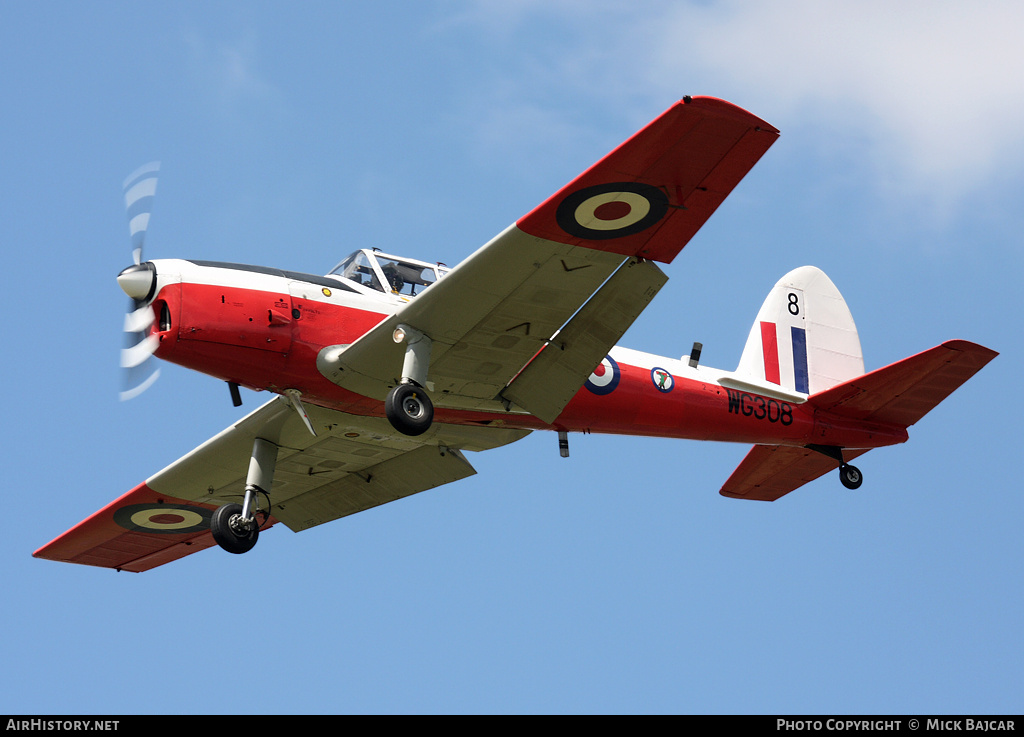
{"points": [[231, 532], [409, 410], [850, 476]]}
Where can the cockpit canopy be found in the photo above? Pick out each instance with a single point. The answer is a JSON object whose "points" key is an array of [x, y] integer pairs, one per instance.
{"points": [[382, 272]]}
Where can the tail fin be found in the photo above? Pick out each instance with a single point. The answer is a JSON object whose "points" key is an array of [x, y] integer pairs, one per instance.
{"points": [[804, 339]]}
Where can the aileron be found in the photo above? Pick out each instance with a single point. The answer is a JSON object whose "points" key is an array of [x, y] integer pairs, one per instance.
{"points": [[549, 381]]}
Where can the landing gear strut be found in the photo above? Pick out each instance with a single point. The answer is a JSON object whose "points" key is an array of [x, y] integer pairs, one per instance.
{"points": [[234, 526], [407, 406]]}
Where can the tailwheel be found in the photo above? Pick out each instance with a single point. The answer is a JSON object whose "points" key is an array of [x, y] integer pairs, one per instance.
{"points": [[409, 409], [232, 531], [850, 476]]}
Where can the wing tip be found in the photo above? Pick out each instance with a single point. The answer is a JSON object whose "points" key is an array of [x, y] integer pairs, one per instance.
{"points": [[727, 109], [967, 346]]}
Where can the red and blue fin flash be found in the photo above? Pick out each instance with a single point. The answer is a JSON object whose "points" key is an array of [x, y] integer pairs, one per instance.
{"points": [[804, 339]]}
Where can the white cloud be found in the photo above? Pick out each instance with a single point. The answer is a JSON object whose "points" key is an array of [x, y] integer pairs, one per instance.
{"points": [[936, 88], [929, 93]]}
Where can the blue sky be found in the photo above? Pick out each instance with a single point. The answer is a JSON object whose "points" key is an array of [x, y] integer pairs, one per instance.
{"points": [[617, 580]]}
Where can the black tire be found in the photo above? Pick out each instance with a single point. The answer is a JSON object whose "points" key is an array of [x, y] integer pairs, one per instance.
{"points": [[850, 476], [231, 537], [409, 410]]}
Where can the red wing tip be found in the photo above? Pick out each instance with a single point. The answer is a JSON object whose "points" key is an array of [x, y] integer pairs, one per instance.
{"points": [[968, 346], [729, 110]]}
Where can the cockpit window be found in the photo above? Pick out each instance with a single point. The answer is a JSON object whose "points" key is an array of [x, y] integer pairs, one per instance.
{"points": [[388, 274], [405, 278], [358, 268]]}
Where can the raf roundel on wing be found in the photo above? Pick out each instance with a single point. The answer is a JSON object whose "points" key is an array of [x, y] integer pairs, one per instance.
{"points": [[173, 519], [612, 210]]}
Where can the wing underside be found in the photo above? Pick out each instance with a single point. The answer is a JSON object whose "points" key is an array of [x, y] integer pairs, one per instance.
{"points": [[353, 464]]}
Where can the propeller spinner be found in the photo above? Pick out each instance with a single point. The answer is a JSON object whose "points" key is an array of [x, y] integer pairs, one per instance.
{"points": [[139, 283]]}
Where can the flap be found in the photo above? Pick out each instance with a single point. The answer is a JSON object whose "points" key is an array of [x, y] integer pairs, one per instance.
{"points": [[554, 376], [410, 473]]}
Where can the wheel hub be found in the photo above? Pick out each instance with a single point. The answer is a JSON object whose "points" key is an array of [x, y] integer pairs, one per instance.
{"points": [[413, 407], [239, 526]]}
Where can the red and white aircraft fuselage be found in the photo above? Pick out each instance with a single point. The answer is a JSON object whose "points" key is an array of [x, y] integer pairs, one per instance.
{"points": [[264, 331]]}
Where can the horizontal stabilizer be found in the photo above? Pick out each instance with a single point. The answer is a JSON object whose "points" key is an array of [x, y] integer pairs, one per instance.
{"points": [[900, 394], [904, 392], [771, 471]]}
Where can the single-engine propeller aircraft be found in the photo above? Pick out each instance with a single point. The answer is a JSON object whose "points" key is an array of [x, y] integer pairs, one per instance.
{"points": [[388, 369]]}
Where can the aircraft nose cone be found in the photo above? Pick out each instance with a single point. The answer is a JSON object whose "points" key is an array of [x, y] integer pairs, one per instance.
{"points": [[138, 281]]}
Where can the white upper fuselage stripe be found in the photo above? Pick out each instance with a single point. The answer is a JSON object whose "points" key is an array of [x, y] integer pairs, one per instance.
{"points": [[173, 270]]}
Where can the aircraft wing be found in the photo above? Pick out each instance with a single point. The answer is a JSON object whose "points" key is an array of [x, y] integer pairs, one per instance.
{"points": [[496, 310], [354, 463]]}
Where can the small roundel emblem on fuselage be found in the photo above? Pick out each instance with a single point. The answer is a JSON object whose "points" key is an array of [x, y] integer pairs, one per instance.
{"points": [[612, 210], [662, 380], [168, 519], [605, 377]]}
